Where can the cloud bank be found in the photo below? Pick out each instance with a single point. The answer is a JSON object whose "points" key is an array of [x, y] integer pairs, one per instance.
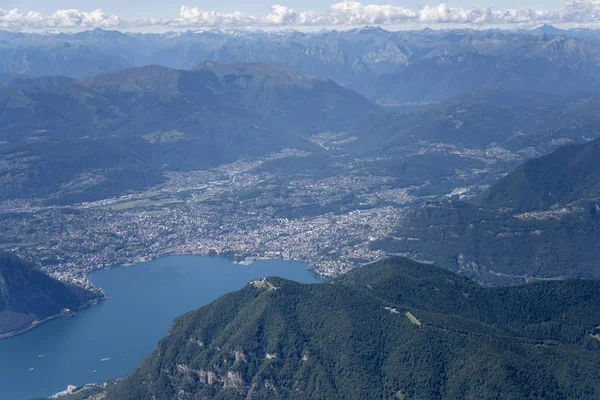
{"points": [[345, 13]]}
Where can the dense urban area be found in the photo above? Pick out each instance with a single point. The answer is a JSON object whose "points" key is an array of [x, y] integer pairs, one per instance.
{"points": [[241, 210]]}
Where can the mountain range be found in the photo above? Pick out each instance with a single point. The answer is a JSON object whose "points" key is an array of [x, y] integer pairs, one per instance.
{"points": [[133, 125], [121, 132], [128, 128], [391, 67]]}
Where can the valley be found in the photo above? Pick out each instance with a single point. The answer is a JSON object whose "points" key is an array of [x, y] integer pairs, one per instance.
{"points": [[324, 191], [321, 208], [442, 185]]}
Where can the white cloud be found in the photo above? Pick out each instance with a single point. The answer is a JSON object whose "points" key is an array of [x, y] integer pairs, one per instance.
{"points": [[65, 19], [354, 13], [194, 17], [344, 13]]}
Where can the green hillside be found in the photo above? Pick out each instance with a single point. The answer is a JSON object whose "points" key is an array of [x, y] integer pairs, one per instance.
{"points": [[570, 174], [538, 222], [28, 296], [393, 330]]}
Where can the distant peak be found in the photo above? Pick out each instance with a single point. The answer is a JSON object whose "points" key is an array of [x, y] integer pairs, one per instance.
{"points": [[372, 29], [547, 29]]}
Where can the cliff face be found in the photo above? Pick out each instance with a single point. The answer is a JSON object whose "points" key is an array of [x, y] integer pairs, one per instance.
{"points": [[28, 295]]}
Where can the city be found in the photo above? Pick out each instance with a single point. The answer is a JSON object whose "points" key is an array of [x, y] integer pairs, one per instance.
{"points": [[246, 210]]}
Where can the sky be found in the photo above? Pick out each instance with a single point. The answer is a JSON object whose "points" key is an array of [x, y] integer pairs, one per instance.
{"points": [[294, 14], [167, 8]]}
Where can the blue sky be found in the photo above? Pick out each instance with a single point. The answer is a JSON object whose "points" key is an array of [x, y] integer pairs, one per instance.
{"points": [[163, 8]]}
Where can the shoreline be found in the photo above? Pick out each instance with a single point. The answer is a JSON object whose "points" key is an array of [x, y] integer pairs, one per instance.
{"points": [[37, 323], [242, 263], [30, 327], [235, 259]]}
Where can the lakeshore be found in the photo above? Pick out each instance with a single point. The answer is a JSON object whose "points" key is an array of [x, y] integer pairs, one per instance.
{"points": [[109, 339], [63, 314], [31, 326]]}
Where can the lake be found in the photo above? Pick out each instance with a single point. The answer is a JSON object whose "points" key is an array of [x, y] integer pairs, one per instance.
{"points": [[108, 340]]}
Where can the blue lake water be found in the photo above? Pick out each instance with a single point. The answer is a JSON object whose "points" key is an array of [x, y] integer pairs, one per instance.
{"points": [[108, 340]]}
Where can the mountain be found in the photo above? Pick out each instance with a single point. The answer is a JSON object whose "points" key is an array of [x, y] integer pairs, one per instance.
{"points": [[513, 120], [41, 57], [538, 222], [286, 98], [548, 30], [553, 64], [129, 127], [584, 33], [570, 174], [391, 67], [29, 297], [394, 329]]}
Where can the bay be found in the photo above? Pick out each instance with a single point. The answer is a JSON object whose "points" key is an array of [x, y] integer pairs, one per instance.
{"points": [[109, 339]]}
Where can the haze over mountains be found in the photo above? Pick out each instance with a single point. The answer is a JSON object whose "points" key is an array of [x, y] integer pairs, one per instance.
{"points": [[135, 124], [131, 127], [511, 119], [191, 112], [392, 67]]}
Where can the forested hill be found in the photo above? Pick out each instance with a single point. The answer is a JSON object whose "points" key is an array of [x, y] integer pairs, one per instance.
{"points": [[202, 104], [572, 173], [538, 222], [130, 127], [392, 330], [28, 296]]}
